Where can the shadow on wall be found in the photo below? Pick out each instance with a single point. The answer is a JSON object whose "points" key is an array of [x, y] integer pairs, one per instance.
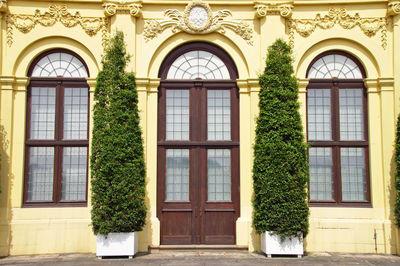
{"points": [[5, 186]]}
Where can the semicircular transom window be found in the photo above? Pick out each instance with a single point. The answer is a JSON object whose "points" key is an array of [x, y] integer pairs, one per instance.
{"points": [[335, 66], [198, 65], [60, 64]]}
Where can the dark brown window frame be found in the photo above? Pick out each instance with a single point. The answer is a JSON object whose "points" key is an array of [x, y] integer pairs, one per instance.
{"points": [[334, 85], [198, 134], [60, 83]]}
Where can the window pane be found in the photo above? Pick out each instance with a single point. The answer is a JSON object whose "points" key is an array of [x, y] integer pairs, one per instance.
{"points": [[335, 66], [75, 113], [319, 114], [351, 114], [74, 173], [43, 101], [321, 177], [219, 114], [177, 115], [60, 64], [177, 175], [198, 64], [353, 174], [41, 169], [219, 175]]}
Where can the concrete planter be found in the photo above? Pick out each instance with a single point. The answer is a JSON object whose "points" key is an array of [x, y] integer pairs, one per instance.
{"points": [[117, 244], [272, 244]]}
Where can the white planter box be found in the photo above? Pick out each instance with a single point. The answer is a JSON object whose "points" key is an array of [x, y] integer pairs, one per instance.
{"points": [[272, 244], [117, 244]]}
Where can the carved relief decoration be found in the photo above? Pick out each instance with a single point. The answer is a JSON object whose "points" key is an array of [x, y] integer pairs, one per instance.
{"points": [[338, 16], [197, 19], [56, 13], [264, 9], [394, 8], [112, 7]]}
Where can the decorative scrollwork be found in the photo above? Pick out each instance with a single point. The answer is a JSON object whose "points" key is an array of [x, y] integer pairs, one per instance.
{"points": [[394, 8], [264, 9], [56, 13], [369, 26], [207, 23], [112, 7]]}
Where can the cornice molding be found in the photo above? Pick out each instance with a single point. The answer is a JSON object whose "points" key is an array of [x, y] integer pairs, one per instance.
{"points": [[210, 22], [339, 16], [56, 13], [113, 7], [285, 9], [248, 85]]}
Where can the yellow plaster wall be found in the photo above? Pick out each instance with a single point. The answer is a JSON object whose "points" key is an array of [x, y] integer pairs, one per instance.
{"points": [[62, 230]]}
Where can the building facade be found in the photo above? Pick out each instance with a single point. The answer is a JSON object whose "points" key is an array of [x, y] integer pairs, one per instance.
{"points": [[197, 65]]}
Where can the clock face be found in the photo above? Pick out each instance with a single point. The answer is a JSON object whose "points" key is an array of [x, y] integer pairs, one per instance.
{"points": [[198, 16]]}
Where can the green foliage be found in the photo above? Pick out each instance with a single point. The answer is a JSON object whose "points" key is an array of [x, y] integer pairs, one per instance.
{"points": [[397, 159], [117, 162], [280, 170]]}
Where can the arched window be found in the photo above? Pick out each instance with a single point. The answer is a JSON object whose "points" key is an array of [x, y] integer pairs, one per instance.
{"points": [[57, 130], [337, 131], [198, 146]]}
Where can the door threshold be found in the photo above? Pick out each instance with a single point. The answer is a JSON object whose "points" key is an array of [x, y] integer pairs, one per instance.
{"points": [[199, 247]]}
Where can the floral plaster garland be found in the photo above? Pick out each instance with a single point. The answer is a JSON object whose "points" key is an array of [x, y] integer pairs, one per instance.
{"points": [[369, 26], [56, 13], [182, 22]]}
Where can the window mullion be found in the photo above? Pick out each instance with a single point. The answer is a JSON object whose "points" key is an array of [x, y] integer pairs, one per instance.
{"points": [[336, 138], [58, 135]]}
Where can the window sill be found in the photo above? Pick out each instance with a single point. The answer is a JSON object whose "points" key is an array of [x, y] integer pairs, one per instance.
{"points": [[356, 204], [53, 204]]}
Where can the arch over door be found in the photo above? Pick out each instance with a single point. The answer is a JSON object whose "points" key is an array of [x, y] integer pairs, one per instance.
{"points": [[198, 146]]}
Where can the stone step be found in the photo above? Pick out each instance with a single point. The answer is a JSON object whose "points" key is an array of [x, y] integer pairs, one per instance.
{"points": [[200, 249]]}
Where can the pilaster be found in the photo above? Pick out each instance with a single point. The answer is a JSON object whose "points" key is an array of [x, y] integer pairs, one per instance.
{"points": [[123, 18], [148, 107], [272, 15], [303, 83], [248, 89]]}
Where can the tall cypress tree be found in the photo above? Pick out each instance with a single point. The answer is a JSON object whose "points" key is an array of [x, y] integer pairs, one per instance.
{"points": [[117, 162], [280, 169], [397, 159]]}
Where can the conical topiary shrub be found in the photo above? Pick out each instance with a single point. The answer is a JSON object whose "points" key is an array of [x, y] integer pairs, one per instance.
{"points": [[397, 159], [280, 170], [117, 162]]}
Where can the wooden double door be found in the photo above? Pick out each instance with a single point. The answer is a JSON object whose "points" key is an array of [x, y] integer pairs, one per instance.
{"points": [[198, 162]]}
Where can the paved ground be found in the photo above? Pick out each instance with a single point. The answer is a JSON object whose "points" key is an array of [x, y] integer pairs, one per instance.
{"points": [[205, 258]]}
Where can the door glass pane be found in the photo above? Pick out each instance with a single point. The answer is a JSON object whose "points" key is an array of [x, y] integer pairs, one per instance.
{"points": [[177, 115], [75, 113], [41, 169], [177, 175], [219, 114], [43, 101], [351, 114], [74, 173], [319, 114], [219, 175], [353, 174], [321, 177]]}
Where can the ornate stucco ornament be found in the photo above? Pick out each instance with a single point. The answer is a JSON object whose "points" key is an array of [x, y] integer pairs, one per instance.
{"points": [[394, 8], [273, 8], [3, 5], [131, 7], [197, 19], [338, 16], [56, 13]]}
